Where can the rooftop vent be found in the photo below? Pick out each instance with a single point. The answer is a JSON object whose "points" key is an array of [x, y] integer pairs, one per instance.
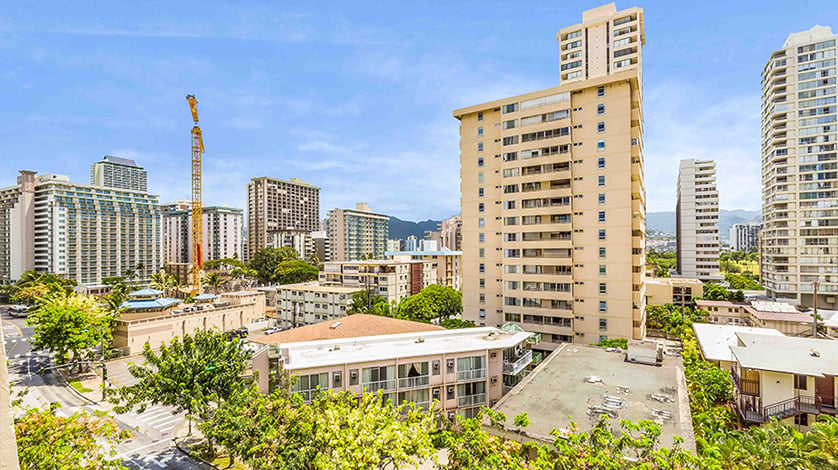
{"points": [[420, 339], [814, 353], [335, 325]]}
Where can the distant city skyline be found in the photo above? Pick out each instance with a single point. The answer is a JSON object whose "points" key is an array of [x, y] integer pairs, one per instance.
{"points": [[361, 97]]}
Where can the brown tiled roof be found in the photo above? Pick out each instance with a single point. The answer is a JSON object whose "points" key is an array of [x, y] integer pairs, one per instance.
{"points": [[351, 326]]}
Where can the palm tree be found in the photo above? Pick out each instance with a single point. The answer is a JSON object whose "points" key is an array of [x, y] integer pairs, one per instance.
{"points": [[214, 280], [178, 284], [161, 281]]}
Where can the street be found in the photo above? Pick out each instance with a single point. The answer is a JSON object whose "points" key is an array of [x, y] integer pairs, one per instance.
{"points": [[151, 444]]}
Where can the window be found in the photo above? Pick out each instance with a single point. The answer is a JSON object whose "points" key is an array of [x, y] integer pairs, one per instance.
{"points": [[600, 109], [602, 270], [480, 146], [481, 283], [482, 236], [574, 34], [600, 126], [602, 252], [510, 108], [601, 216], [510, 124], [603, 307], [481, 222], [480, 117], [603, 323], [480, 132], [802, 420], [600, 180], [600, 163], [482, 268], [600, 145], [512, 140], [482, 299], [601, 234], [480, 161], [480, 177], [600, 198], [482, 313], [509, 204], [799, 382], [480, 192], [482, 252], [603, 288], [600, 91]]}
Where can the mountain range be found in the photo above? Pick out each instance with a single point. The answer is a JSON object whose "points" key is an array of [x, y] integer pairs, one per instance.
{"points": [[665, 221], [401, 229]]}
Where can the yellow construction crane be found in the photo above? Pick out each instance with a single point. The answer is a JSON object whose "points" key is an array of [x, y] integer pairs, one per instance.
{"points": [[197, 207]]}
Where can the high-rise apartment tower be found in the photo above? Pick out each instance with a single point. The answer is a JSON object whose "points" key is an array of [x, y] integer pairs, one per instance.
{"points": [[799, 239], [222, 233], [279, 206], [697, 220], [358, 233], [553, 198], [744, 237], [121, 173]]}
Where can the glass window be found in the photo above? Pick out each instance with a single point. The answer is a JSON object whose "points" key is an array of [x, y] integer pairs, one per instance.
{"points": [[480, 146], [602, 252], [600, 109], [600, 163], [481, 222], [480, 192], [481, 283], [510, 108], [480, 161], [600, 180], [480, 116], [600, 126], [482, 236], [482, 268], [480, 207], [601, 198], [603, 306], [480, 177], [480, 132], [603, 288], [602, 270], [600, 145], [601, 216], [482, 313], [600, 91], [482, 252], [601, 234], [603, 324]]}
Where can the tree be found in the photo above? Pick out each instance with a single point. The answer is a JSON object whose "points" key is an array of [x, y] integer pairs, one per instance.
{"points": [[245, 275], [334, 430], [214, 280], [714, 292], [295, 271], [195, 374], [366, 302], [224, 264], [162, 281], [430, 303], [33, 287], [74, 323], [266, 260], [455, 323], [81, 441]]}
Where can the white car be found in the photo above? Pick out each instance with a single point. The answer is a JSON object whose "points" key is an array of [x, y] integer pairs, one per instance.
{"points": [[271, 330]]}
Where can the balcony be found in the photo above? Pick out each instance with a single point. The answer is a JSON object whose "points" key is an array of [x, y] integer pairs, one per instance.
{"points": [[750, 410], [472, 400], [474, 374], [414, 382], [745, 386], [380, 385], [512, 368]]}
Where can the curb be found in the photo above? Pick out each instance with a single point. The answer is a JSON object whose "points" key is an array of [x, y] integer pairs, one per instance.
{"points": [[187, 454], [73, 389]]}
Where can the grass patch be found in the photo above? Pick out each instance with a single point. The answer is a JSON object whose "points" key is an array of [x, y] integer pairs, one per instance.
{"points": [[201, 451], [78, 386]]}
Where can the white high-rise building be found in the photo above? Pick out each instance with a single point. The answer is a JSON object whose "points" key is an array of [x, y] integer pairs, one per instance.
{"points": [[359, 232], [223, 233], [799, 238], [116, 172], [744, 237], [697, 220], [82, 232]]}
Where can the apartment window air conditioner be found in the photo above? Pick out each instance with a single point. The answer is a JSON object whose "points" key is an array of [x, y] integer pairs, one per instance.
{"points": [[494, 355], [450, 389], [494, 380]]}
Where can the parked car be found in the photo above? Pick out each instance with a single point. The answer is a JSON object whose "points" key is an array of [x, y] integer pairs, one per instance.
{"points": [[19, 310], [272, 330]]}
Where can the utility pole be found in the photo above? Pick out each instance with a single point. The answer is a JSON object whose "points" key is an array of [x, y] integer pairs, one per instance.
{"points": [[815, 312], [104, 369]]}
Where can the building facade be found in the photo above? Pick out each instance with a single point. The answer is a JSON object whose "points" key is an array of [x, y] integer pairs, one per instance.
{"points": [[697, 220], [279, 206], [553, 198], [354, 234], [745, 237], [120, 173], [445, 264], [309, 303], [81, 232], [223, 233], [451, 233], [463, 369], [799, 189], [393, 280]]}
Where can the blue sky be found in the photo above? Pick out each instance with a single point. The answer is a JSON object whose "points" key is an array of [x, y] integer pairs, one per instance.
{"points": [[357, 97]]}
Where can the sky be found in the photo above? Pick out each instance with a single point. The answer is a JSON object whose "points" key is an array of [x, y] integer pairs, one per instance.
{"points": [[357, 97]]}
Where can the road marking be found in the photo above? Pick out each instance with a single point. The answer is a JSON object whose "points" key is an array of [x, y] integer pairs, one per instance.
{"points": [[159, 419], [167, 423], [132, 451]]}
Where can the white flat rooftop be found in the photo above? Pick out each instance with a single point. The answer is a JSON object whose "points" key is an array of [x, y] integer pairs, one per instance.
{"points": [[322, 353], [715, 340], [788, 354]]}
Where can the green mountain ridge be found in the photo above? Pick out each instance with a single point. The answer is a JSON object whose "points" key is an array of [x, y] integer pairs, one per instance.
{"points": [[401, 229]]}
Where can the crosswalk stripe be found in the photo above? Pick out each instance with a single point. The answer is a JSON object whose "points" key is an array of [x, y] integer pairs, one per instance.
{"points": [[167, 423], [159, 419], [150, 412]]}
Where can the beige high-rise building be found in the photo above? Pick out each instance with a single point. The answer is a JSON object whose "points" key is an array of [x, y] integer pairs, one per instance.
{"points": [[279, 206], [451, 233], [357, 233], [553, 196], [697, 220], [799, 239]]}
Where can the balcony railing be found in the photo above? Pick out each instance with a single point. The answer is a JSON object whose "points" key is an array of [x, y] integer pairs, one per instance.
{"points": [[471, 400], [380, 385], [474, 374], [745, 386], [414, 382], [783, 409], [513, 368]]}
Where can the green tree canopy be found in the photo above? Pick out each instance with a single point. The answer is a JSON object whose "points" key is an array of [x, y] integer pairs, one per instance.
{"points": [[73, 323], [266, 260], [194, 374], [214, 280], [81, 441], [430, 303], [33, 287], [295, 271], [333, 431], [360, 300], [224, 264]]}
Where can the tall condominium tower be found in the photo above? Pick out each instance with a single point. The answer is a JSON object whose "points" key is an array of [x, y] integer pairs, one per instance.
{"points": [[223, 232], [697, 220], [279, 206], [553, 200], [357, 233], [78, 231], [744, 237], [799, 239], [121, 173]]}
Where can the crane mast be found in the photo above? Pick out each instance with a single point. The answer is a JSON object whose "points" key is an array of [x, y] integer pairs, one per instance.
{"points": [[197, 206]]}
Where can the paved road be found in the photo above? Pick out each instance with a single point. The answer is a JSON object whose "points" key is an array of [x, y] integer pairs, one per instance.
{"points": [[151, 444]]}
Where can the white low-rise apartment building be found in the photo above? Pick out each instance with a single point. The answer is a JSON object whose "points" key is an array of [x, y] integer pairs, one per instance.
{"points": [[393, 280], [462, 369], [308, 303]]}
